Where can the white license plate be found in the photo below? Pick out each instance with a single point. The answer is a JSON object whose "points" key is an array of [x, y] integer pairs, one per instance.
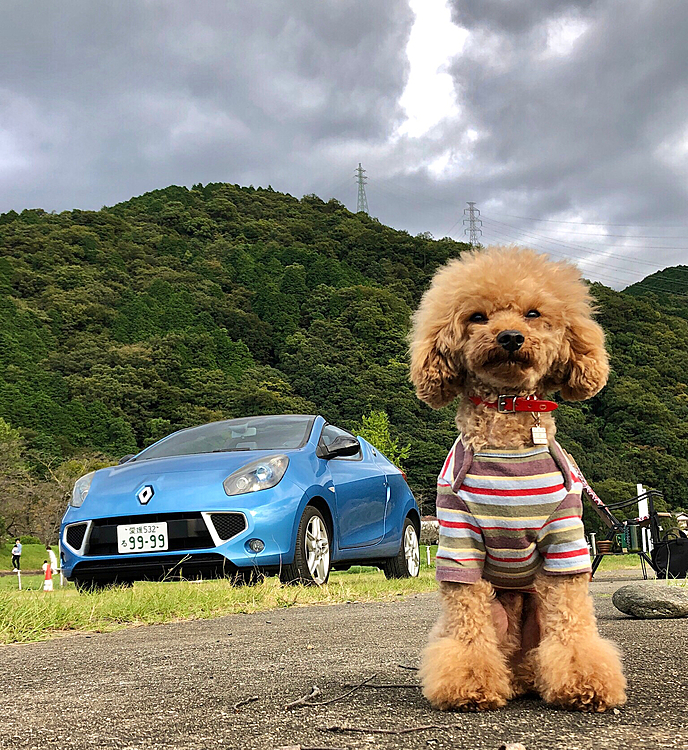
{"points": [[141, 537]]}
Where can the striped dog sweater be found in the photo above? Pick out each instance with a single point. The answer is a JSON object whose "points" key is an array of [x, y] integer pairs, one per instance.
{"points": [[504, 515]]}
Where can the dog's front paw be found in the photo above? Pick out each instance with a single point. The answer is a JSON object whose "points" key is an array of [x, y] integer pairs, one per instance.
{"points": [[583, 676], [458, 676]]}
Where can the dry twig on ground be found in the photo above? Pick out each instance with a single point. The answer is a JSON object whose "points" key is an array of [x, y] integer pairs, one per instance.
{"points": [[245, 702], [370, 730], [315, 691], [344, 695], [382, 685]]}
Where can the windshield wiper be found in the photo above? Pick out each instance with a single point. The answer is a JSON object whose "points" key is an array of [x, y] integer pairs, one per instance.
{"points": [[231, 450]]}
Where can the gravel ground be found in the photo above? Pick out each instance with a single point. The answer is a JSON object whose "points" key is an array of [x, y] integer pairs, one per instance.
{"points": [[175, 685]]}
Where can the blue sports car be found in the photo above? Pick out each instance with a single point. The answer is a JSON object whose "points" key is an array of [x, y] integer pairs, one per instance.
{"points": [[289, 494]]}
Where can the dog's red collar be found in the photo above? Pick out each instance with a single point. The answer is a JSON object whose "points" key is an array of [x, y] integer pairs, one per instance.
{"points": [[511, 404]]}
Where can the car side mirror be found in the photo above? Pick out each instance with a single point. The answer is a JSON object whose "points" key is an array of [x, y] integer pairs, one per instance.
{"points": [[126, 458], [343, 445]]}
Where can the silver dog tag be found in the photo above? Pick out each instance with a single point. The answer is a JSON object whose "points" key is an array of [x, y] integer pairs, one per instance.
{"points": [[539, 435]]}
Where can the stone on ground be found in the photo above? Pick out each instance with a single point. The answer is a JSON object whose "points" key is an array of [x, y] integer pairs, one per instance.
{"points": [[651, 601]]}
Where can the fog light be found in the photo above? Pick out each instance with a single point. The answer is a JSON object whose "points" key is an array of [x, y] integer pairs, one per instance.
{"points": [[256, 545]]}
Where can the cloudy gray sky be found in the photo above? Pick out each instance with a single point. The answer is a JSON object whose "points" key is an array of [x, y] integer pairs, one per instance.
{"points": [[565, 121]]}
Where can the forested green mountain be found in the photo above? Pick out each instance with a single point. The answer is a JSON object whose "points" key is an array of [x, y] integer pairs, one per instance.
{"points": [[667, 290], [184, 306]]}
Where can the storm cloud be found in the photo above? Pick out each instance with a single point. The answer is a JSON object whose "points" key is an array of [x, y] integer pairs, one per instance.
{"points": [[103, 101], [561, 112]]}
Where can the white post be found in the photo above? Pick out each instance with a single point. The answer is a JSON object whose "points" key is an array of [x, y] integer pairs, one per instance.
{"points": [[427, 550], [643, 507], [19, 578], [593, 543], [643, 510], [59, 563]]}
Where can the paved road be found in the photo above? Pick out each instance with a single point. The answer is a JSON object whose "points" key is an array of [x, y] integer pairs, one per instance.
{"points": [[174, 686]]}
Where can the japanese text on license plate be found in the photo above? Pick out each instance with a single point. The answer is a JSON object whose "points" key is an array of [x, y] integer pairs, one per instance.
{"points": [[142, 537]]}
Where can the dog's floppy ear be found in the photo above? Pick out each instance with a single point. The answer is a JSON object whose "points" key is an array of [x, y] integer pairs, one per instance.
{"points": [[585, 367], [434, 370]]}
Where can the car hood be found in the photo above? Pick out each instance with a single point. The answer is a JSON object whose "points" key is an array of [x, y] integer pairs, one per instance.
{"points": [[178, 482]]}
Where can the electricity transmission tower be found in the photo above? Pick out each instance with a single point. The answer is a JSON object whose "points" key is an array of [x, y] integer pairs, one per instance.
{"points": [[474, 223], [362, 204]]}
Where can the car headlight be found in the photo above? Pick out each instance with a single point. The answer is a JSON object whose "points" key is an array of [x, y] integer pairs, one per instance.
{"points": [[81, 488], [258, 475]]}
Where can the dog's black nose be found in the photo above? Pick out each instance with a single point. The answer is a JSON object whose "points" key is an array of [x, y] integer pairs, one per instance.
{"points": [[512, 341]]}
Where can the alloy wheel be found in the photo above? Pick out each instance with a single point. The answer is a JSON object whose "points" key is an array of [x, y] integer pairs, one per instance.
{"points": [[412, 551], [317, 550]]}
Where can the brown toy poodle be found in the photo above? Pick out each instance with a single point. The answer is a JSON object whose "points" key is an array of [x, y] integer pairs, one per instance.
{"points": [[502, 328]]}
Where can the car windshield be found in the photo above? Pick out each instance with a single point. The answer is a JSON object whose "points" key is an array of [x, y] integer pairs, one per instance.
{"points": [[249, 434]]}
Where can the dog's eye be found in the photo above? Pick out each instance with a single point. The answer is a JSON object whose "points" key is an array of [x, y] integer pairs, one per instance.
{"points": [[532, 314], [478, 318]]}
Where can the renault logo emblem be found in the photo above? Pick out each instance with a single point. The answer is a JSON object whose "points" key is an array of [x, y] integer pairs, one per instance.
{"points": [[145, 494]]}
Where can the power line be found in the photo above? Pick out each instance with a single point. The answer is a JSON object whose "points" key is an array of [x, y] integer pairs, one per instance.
{"points": [[577, 258], [524, 236], [608, 277], [501, 236], [589, 223], [335, 188], [677, 283], [572, 245], [631, 237], [571, 248]]}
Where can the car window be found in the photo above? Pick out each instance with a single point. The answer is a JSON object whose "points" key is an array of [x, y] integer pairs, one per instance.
{"points": [[330, 432]]}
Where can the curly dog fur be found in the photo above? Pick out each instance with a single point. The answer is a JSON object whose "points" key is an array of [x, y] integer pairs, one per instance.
{"points": [[488, 646]]}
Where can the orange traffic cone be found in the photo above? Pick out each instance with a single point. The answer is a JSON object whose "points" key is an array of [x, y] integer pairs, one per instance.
{"points": [[48, 582]]}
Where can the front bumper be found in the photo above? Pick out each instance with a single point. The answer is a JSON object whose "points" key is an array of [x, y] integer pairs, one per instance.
{"points": [[201, 544], [160, 567]]}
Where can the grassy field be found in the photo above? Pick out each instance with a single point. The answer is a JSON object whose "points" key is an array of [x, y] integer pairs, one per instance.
{"points": [[619, 562], [31, 615], [29, 583], [32, 556]]}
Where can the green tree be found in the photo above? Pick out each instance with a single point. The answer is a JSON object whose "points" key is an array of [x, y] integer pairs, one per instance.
{"points": [[15, 481], [188, 305], [376, 429]]}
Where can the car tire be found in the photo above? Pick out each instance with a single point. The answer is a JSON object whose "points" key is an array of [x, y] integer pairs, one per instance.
{"points": [[407, 563], [312, 561]]}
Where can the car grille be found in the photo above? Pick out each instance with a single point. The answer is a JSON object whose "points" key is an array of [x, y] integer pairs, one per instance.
{"points": [[154, 568], [75, 535], [185, 531], [228, 525]]}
